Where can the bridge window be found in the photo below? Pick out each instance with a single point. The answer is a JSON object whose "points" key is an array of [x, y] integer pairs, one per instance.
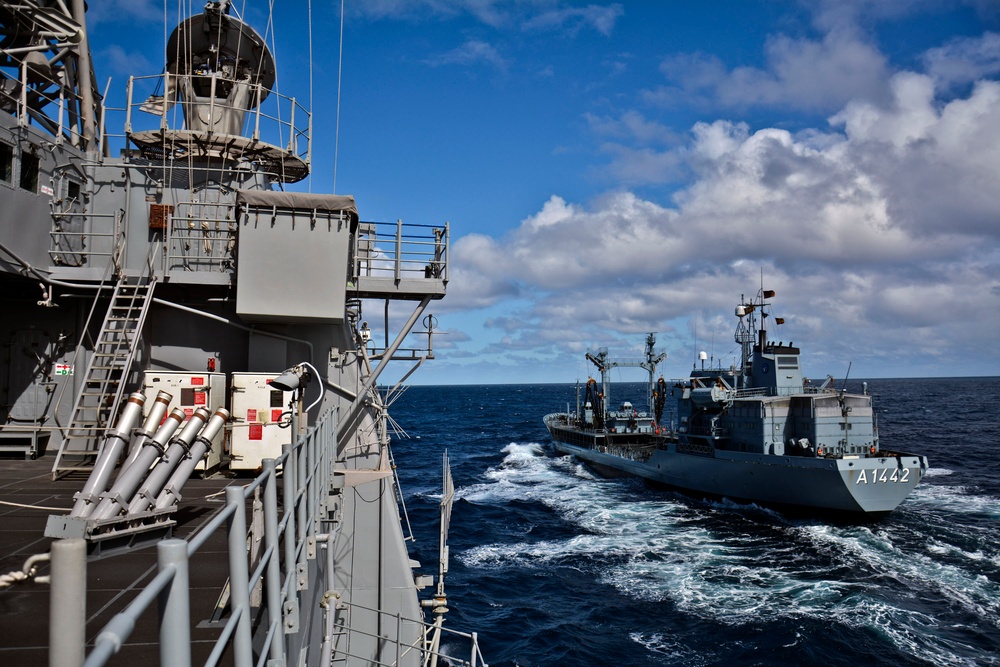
{"points": [[788, 362]]}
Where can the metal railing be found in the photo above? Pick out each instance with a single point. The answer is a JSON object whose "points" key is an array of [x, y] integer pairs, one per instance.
{"points": [[273, 119], [402, 648], [292, 534], [398, 251], [98, 241]]}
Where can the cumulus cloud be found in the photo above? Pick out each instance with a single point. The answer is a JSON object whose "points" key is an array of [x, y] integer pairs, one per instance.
{"points": [[938, 164], [964, 60], [880, 228], [802, 74]]}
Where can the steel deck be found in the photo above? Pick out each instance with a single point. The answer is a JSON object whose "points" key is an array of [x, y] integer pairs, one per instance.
{"points": [[113, 579]]}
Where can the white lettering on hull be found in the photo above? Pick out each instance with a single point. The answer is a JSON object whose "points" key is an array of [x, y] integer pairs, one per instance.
{"points": [[883, 476]]}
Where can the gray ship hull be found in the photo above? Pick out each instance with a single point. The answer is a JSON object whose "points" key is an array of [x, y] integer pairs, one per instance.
{"points": [[862, 485]]}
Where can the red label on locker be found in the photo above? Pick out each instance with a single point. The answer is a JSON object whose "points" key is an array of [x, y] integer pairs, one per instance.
{"points": [[197, 380], [188, 412], [276, 415], [200, 398], [251, 414], [256, 431]]}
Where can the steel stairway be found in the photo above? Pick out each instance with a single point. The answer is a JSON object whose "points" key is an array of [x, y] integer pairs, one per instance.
{"points": [[103, 386]]}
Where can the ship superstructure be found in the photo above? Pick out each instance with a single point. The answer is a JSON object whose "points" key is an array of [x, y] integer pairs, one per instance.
{"points": [[756, 431], [172, 307]]}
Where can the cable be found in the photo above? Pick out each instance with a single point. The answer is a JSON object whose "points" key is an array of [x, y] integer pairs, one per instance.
{"points": [[310, 9], [322, 392], [340, 77], [35, 507]]}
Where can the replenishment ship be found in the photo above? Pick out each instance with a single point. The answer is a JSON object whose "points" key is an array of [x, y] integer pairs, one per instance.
{"points": [[757, 431]]}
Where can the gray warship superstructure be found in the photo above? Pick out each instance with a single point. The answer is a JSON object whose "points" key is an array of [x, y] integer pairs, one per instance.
{"points": [[757, 432], [169, 310]]}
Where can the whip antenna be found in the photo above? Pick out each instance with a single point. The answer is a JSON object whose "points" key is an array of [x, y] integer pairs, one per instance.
{"points": [[439, 603]]}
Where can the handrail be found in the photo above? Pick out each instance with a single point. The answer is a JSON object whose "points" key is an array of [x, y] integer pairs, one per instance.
{"points": [[307, 471], [397, 250], [62, 241], [262, 123]]}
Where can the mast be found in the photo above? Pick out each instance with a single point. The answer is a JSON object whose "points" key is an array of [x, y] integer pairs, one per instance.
{"points": [[85, 72], [46, 73], [651, 360]]}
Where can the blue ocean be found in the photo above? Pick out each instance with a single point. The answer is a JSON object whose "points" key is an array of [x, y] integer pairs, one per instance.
{"points": [[553, 565]]}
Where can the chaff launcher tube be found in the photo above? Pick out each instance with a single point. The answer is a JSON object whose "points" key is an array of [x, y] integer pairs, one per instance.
{"points": [[114, 443], [172, 491], [171, 459], [153, 420], [117, 499]]}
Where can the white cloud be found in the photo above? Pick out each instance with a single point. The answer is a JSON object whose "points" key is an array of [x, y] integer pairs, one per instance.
{"points": [[939, 163], [489, 12], [120, 61], [880, 238], [472, 52], [112, 11], [532, 15], [601, 19], [964, 60], [801, 74]]}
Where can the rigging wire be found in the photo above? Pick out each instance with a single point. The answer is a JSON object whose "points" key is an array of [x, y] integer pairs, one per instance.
{"points": [[310, 10], [340, 77]]}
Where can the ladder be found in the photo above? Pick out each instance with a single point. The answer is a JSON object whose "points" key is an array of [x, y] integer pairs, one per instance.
{"points": [[104, 382]]}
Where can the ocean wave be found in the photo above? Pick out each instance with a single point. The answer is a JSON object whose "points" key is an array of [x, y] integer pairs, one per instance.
{"points": [[658, 550], [963, 500], [672, 650], [682, 580], [890, 553]]}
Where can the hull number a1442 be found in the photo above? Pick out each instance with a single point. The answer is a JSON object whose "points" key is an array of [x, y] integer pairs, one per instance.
{"points": [[883, 476]]}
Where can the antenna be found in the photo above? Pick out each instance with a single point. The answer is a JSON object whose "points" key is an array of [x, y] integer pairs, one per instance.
{"points": [[439, 604], [340, 77], [696, 335], [309, 11], [843, 389]]}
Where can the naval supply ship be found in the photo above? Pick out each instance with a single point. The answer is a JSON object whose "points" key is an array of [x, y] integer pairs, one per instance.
{"points": [[190, 383], [758, 431]]}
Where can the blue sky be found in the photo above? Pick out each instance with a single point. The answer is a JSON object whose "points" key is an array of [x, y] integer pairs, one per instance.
{"points": [[610, 169]]}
